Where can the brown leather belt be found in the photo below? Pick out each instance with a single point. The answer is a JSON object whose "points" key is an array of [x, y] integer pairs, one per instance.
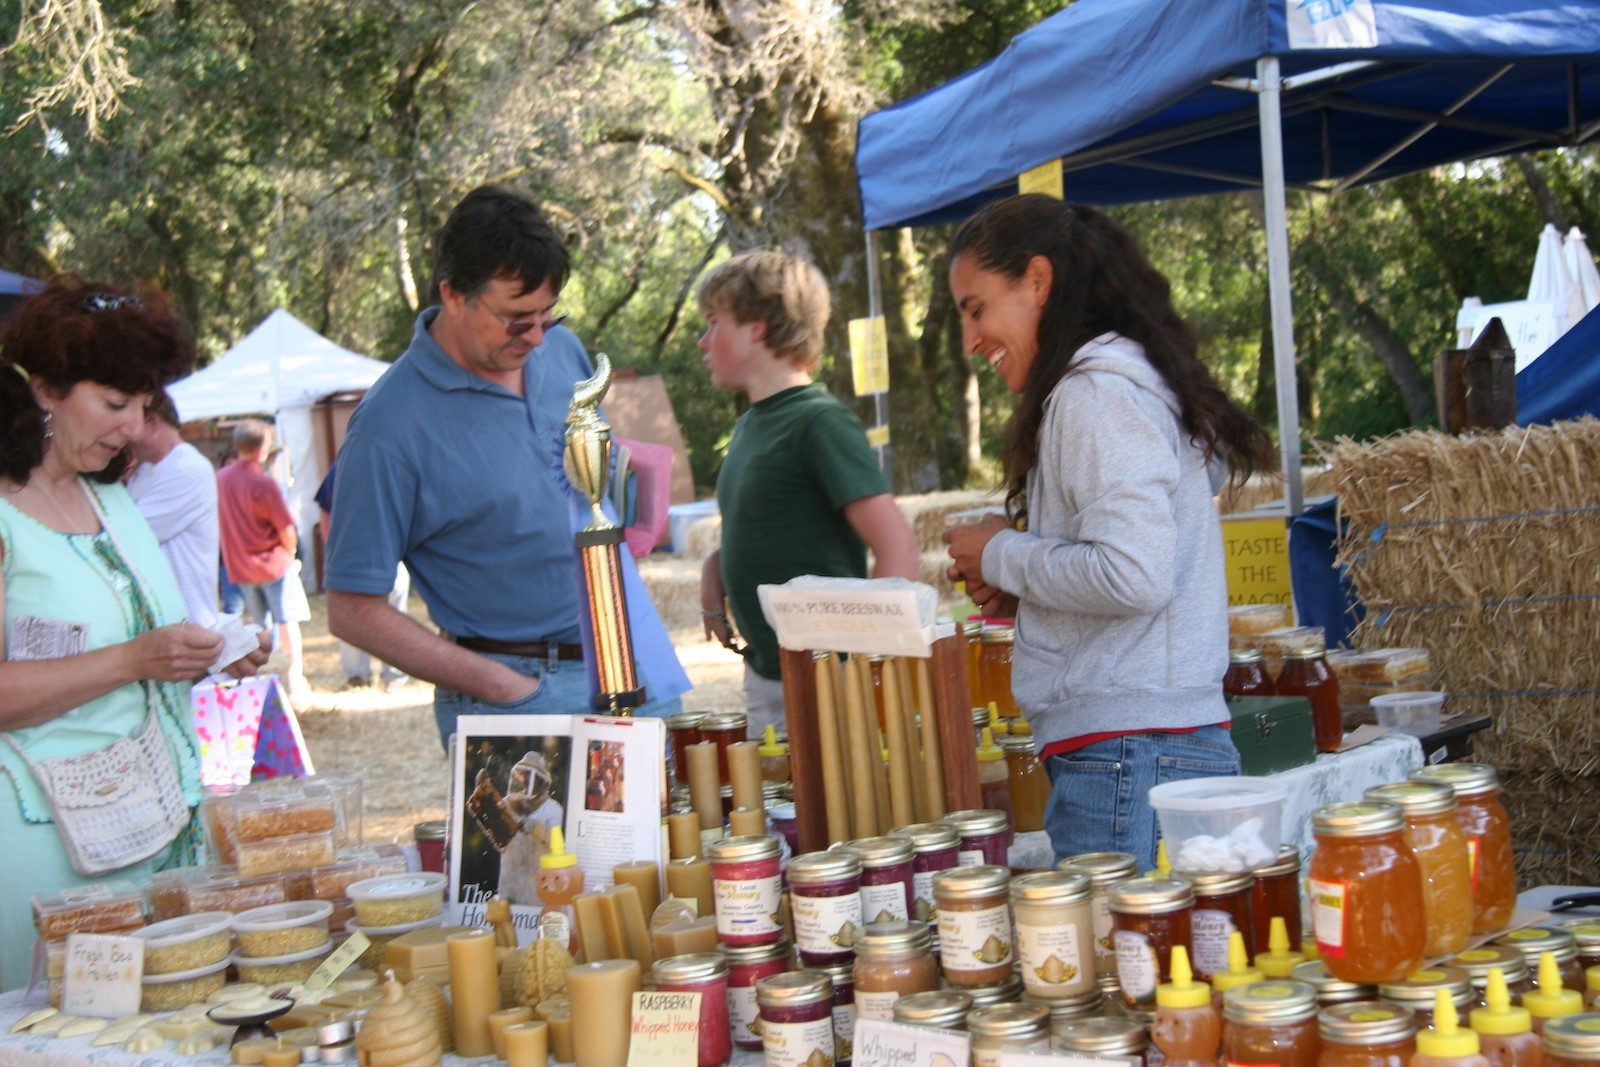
{"points": [[530, 649]]}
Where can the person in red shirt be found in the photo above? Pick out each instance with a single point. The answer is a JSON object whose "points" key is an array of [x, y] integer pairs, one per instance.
{"points": [[259, 540]]}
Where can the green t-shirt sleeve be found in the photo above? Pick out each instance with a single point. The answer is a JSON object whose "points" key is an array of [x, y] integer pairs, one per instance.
{"points": [[846, 466]]}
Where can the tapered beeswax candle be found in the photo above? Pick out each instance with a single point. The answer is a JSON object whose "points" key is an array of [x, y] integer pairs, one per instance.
{"points": [[744, 773], [705, 788], [830, 746], [602, 1001], [499, 1021], [645, 877], [691, 880], [474, 989], [528, 1044]]}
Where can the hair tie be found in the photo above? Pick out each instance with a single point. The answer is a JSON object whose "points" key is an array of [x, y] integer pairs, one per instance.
{"points": [[106, 302]]}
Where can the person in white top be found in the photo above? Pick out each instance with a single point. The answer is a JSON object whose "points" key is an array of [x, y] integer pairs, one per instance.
{"points": [[175, 489]]}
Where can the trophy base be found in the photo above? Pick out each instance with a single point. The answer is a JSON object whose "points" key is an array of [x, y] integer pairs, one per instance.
{"points": [[618, 703]]}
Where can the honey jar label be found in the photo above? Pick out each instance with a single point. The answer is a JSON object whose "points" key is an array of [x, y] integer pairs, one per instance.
{"points": [[744, 1016], [1138, 969], [922, 891], [1105, 951], [1328, 901], [1053, 958], [975, 940], [1473, 843], [1209, 936], [878, 1005], [884, 903], [969, 857], [798, 1044], [844, 1030], [827, 925], [747, 906]]}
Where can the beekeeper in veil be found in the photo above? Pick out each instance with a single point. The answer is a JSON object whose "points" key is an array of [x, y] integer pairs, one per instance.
{"points": [[529, 800]]}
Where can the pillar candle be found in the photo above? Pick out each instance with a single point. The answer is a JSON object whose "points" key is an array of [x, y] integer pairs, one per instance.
{"points": [[830, 748], [528, 1044], [744, 773], [685, 937], [871, 694], [546, 1008], [602, 998], [635, 930], [691, 880], [705, 789], [560, 1024], [645, 877], [474, 989], [499, 1020], [746, 821], [683, 835]]}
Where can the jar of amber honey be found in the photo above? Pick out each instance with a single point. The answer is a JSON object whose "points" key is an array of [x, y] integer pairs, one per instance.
{"points": [[1419, 990], [1028, 783], [1306, 674], [1331, 990], [1572, 1040], [971, 639], [1222, 907], [1276, 892], [1478, 962], [1271, 1022], [1534, 941], [1246, 677], [1436, 839], [1105, 869], [1488, 830], [1148, 917], [1366, 893], [975, 939], [994, 667], [1105, 1040], [1366, 1035], [893, 960], [1021, 1026]]}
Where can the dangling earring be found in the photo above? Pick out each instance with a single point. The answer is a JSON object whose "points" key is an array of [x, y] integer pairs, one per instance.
{"points": [[49, 431]]}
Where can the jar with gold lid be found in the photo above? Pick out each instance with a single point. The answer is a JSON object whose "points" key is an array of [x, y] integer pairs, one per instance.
{"points": [[1105, 869], [1534, 941], [825, 905], [885, 876], [1149, 916], [1419, 990], [994, 667], [1572, 1040], [1019, 1026], [983, 833], [1055, 933], [1223, 903], [934, 847], [1478, 962], [1106, 1040], [1006, 991], [683, 730], [1366, 893], [1028, 783], [724, 728], [942, 1009], [1271, 1022], [1436, 839], [1331, 990], [747, 966], [975, 939], [1587, 933], [1366, 1035], [1276, 892], [893, 960], [971, 640], [796, 1018], [1488, 830]]}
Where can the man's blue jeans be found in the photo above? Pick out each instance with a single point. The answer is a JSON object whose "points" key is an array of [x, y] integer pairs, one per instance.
{"points": [[1100, 794]]}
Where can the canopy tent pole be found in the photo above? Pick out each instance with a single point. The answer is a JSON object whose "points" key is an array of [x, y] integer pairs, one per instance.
{"points": [[1268, 96], [880, 401]]}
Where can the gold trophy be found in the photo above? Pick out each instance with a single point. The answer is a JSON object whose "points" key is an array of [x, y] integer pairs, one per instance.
{"points": [[588, 464]]}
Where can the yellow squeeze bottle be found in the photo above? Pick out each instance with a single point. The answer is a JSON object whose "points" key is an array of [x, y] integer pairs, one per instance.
{"points": [[774, 757], [1505, 1032], [1278, 961], [1239, 972], [999, 726], [1446, 1044], [1550, 1000], [1187, 1028]]}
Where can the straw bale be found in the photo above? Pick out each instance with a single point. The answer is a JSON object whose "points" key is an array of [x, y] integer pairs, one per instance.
{"points": [[1484, 550], [704, 537], [674, 586], [926, 512], [1264, 487]]}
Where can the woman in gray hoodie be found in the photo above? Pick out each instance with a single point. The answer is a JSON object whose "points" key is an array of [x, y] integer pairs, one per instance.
{"points": [[1111, 552]]}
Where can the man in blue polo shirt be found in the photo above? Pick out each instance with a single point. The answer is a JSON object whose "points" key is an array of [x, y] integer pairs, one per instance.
{"points": [[452, 465]]}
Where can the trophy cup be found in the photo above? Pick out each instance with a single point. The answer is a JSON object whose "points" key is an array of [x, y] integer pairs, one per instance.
{"points": [[588, 466]]}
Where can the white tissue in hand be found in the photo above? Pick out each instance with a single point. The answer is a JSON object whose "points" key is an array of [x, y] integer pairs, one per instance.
{"points": [[1241, 849]]}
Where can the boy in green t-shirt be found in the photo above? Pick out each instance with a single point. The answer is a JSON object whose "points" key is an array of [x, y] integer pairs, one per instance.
{"points": [[800, 490]]}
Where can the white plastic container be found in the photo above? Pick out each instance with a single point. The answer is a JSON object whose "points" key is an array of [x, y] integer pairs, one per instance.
{"points": [[169, 992], [187, 943], [280, 970], [1412, 713], [393, 899], [1220, 824], [283, 929]]}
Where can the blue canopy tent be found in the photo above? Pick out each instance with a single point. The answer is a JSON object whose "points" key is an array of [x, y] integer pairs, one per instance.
{"points": [[14, 289], [1150, 99], [1564, 382]]}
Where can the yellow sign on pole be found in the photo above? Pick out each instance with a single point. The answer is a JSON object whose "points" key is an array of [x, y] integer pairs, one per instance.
{"points": [[877, 436], [1045, 178], [869, 355], [1256, 554]]}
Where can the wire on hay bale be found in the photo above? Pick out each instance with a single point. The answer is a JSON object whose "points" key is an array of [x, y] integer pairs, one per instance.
{"points": [[1484, 550]]}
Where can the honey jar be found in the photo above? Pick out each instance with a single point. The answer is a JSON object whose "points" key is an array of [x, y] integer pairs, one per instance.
{"points": [[893, 960], [1436, 839], [1149, 916], [1418, 990], [1366, 1035], [1055, 933], [1271, 1022], [975, 940], [1105, 869], [1222, 907], [1488, 830], [1366, 893], [994, 668], [945, 1009], [1276, 892]]}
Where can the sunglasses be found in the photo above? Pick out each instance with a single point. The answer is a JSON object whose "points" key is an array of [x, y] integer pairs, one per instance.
{"points": [[518, 327]]}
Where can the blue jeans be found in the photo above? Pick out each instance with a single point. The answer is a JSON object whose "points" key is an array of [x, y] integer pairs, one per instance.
{"points": [[563, 690], [1100, 794], [265, 601]]}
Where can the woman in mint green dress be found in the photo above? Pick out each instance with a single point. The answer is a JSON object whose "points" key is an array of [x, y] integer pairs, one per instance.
{"points": [[96, 637]]}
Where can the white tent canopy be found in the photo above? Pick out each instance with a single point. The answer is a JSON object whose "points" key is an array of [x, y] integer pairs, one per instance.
{"points": [[278, 371]]}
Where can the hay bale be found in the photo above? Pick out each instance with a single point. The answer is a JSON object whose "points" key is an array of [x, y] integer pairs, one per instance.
{"points": [[1483, 550], [704, 537], [926, 512]]}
